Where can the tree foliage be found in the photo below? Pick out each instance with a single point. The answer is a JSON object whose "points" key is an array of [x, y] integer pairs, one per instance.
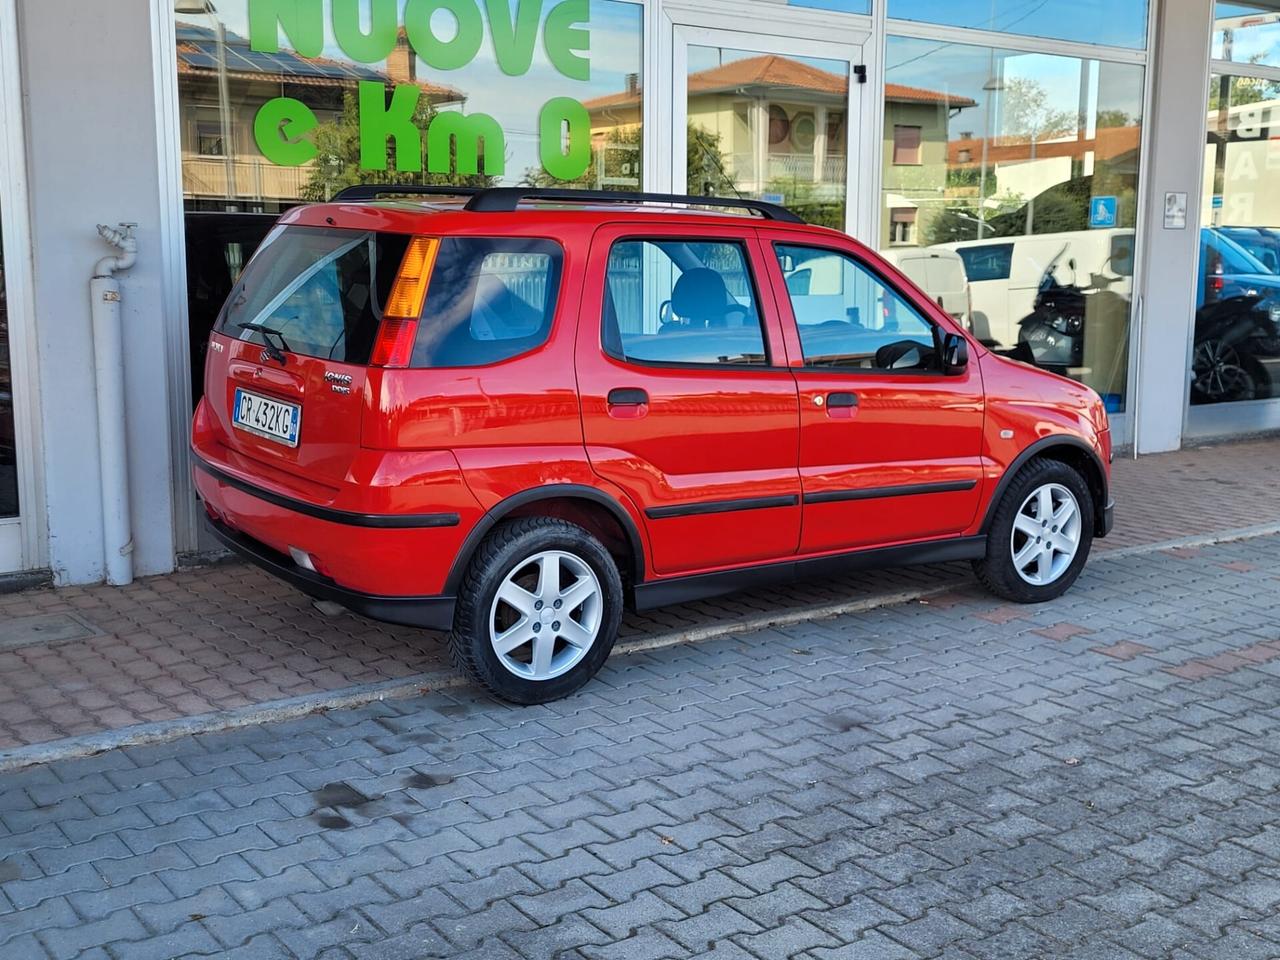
{"points": [[337, 163]]}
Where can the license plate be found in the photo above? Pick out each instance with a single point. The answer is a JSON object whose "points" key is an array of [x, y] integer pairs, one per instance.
{"points": [[268, 418]]}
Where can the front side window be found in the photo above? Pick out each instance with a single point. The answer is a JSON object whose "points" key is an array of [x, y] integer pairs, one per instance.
{"points": [[849, 318], [490, 299], [682, 302]]}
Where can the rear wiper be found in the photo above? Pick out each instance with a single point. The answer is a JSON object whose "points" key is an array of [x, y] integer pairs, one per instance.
{"points": [[275, 350]]}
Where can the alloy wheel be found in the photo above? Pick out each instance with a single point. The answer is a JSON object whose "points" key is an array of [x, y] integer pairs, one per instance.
{"points": [[1046, 534], [546, 615]]}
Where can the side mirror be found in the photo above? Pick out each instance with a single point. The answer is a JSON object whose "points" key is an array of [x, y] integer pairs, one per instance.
{"points": [[955, 354]]}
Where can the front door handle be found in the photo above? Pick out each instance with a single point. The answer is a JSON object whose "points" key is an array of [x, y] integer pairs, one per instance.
{"points": [[842, 400], [627, 397]]}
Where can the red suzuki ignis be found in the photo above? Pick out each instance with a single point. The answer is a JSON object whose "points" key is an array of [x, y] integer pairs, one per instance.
{"points": [[508, 413]]}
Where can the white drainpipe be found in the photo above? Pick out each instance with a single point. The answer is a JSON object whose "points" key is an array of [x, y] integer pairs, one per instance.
{"points": [[108, 356]]}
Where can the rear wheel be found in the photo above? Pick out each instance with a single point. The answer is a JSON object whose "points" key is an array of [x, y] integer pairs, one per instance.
{"points": [[1040, 536], [538, 612]]}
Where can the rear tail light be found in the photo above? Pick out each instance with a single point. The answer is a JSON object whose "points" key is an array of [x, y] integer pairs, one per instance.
{"points": [[393, 346]]}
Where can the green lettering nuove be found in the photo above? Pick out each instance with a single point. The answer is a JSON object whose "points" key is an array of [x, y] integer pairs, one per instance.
{"points": [[567, 39], [513, 41], [466, 130], [449, 54], [281, 129], [302, 20], [558, 114], [374, 46], [378, 122]]}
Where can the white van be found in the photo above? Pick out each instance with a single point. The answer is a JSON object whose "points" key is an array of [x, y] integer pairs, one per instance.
{"points": [[938, 272], [1005, 272]]}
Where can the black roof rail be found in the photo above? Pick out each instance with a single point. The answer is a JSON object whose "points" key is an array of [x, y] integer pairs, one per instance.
{"points": [[372, 191], [507, 199]]}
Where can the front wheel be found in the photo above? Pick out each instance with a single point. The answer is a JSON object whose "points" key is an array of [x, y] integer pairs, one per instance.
{"points": [[1040, 536], [538, 611]]}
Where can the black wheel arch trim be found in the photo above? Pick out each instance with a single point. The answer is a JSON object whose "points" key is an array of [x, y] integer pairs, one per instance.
{"points": [[551, 491], [380, 521], [1103, 506]]}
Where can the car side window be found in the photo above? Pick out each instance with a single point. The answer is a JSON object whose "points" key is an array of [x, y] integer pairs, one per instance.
{"points": [[849, 318], [681, 302]]}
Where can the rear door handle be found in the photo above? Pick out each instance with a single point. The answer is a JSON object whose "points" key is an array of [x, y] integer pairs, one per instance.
{"points": [[627, 397], [842, 400]]}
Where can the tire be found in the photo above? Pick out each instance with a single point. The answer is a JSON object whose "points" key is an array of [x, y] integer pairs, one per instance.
{"points": [[1021, 504], [517, 557]]}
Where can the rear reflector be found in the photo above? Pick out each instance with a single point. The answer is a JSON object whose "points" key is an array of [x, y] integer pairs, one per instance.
{"points": [[394, 344]]}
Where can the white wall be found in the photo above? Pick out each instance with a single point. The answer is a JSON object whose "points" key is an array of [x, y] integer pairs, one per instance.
{"points": [[92, 158], [1174, 159]]}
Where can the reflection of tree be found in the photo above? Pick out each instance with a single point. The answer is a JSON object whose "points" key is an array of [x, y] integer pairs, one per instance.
{"points": [[704, 162], [809, 201], [620, 145], [1025, 111], [337, 163]]}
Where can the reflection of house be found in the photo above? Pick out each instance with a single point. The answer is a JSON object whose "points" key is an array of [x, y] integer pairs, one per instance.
{"points": [[780, 123], [915, 156], [214, 169]]}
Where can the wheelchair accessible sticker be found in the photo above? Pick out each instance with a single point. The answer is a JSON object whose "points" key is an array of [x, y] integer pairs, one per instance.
{"points": [[1102, 212]]}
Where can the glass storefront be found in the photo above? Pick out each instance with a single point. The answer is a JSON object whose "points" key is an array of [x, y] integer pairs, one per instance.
{"points": [[277, 112], [405, 92], [8, 440], [1084, 21], [770, 127], [1010, 194], [1235, 354]]}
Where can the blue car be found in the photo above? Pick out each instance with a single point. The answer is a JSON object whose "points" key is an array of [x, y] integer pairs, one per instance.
{"points": [[1237, 332]]}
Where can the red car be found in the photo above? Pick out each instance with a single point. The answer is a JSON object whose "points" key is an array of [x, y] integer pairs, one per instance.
{"points": [[508, 413]]}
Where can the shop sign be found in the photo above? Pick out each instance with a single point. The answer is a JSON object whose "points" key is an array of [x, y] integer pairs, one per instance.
{"points": [[283, 126]]}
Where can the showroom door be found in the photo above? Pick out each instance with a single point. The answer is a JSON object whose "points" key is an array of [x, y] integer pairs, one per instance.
{"points": [[20, 543], [770, 116]]}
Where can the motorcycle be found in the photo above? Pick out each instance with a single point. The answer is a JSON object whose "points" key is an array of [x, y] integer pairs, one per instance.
{"points": [[1053, 332], [1237, 341]]}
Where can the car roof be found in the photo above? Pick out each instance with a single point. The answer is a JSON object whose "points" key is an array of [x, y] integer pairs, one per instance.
{"points": [[452, 216]]}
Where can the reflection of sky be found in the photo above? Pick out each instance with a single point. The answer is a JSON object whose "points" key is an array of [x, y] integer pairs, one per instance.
{"points": [[966, 71], [1121, 23], [614, 51], [1252, 44]]}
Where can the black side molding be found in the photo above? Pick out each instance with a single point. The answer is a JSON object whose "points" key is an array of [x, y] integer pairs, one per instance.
{"points": [[901, 490], [660, 593], [720, 506], [384, 521], [430, 613]]}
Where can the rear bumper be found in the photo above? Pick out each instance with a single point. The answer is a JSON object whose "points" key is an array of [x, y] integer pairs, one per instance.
{"points": [[431, 613]]}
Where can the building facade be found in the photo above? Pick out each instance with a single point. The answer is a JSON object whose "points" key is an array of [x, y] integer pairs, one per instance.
{"points": [[1117, 155]]}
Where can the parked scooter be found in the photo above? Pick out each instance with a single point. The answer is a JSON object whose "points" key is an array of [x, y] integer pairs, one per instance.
{"points": [[1054, 330]]}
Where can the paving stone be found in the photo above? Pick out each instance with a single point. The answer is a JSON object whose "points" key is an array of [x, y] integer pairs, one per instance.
{"points": [[905, 787]]}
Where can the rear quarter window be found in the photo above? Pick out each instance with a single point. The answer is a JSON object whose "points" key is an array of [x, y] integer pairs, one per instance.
{"points": [[489, 299], [322, 290]]}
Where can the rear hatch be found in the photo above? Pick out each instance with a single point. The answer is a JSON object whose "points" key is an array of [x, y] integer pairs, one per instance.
{"points": [[287, 365]]}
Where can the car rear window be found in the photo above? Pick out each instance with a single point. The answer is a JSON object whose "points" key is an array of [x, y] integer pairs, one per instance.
{"points": [[322, 290], [990, 262], [490, 299]]}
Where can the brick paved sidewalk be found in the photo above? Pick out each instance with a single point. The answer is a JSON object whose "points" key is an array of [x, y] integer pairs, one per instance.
{"points": [[229, 638], [1094, 778]]}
